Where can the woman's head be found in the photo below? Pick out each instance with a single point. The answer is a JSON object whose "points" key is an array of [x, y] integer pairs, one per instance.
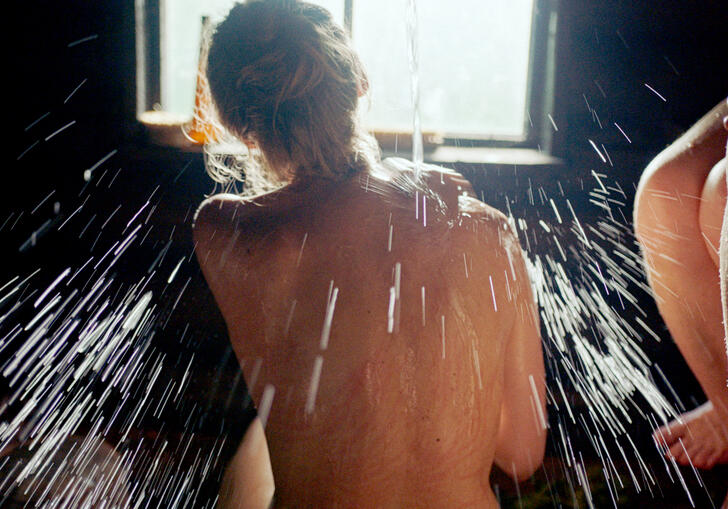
{"points": [[283, 75]]}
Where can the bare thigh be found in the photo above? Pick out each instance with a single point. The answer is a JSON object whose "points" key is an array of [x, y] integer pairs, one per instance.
{"points": [[712, 208], [681, 265]]}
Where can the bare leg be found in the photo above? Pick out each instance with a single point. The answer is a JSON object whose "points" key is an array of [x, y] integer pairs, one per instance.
{"points": [[724, 269], [724, 256], [681, 261]]}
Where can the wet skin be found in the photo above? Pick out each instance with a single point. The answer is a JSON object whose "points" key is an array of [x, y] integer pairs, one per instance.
{"points": [[678, 218], [402, 415]]}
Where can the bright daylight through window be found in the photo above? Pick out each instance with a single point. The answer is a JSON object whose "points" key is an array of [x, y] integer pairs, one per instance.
{"points": [[474, 62]]}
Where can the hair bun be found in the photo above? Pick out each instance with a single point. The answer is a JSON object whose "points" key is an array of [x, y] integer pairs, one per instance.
{"points": [[282, 73]]}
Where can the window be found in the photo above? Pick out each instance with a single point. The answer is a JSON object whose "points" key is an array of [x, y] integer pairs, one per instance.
{"points": [[482, 65], [473, 64]]}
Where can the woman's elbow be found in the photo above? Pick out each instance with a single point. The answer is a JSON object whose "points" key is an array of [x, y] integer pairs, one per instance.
{"points": [[526, 466], [522, 456]]}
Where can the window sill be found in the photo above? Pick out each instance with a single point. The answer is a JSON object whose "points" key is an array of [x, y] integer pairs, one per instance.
{"points": [[171, 137], [167, 130]]}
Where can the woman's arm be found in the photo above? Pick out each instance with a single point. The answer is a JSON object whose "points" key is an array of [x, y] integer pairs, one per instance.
{"points": [[523, 422]]}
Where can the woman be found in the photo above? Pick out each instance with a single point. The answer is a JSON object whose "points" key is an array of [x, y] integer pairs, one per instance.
{"points": [[679, 212], [384, 319]]}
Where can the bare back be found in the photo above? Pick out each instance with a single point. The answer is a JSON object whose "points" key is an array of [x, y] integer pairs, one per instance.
{"points": [[380, 320]]}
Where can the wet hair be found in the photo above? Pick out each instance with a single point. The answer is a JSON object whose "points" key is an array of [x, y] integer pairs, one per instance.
{"points": [[283, 75]]}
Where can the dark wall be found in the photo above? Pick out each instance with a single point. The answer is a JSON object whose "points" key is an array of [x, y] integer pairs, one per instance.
{"points": [[608, 51], [72, 66], [49, 60]]}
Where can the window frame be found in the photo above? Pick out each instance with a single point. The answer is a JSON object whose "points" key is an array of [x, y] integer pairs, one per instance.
{"points": [[538, 127]]}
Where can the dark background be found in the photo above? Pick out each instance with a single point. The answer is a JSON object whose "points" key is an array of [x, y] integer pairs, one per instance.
{"points": [[606, 52]]}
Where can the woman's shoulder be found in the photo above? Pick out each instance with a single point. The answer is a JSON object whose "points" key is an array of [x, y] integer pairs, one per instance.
{"points": [[228, 210], [455, 193], [218, 211], [223, 217]]}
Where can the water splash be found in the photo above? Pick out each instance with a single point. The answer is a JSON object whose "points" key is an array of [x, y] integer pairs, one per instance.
{"points": [[414, 68]]}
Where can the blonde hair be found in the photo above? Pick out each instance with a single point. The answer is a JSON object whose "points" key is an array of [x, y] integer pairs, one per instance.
{"points": [[283, 75]]}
